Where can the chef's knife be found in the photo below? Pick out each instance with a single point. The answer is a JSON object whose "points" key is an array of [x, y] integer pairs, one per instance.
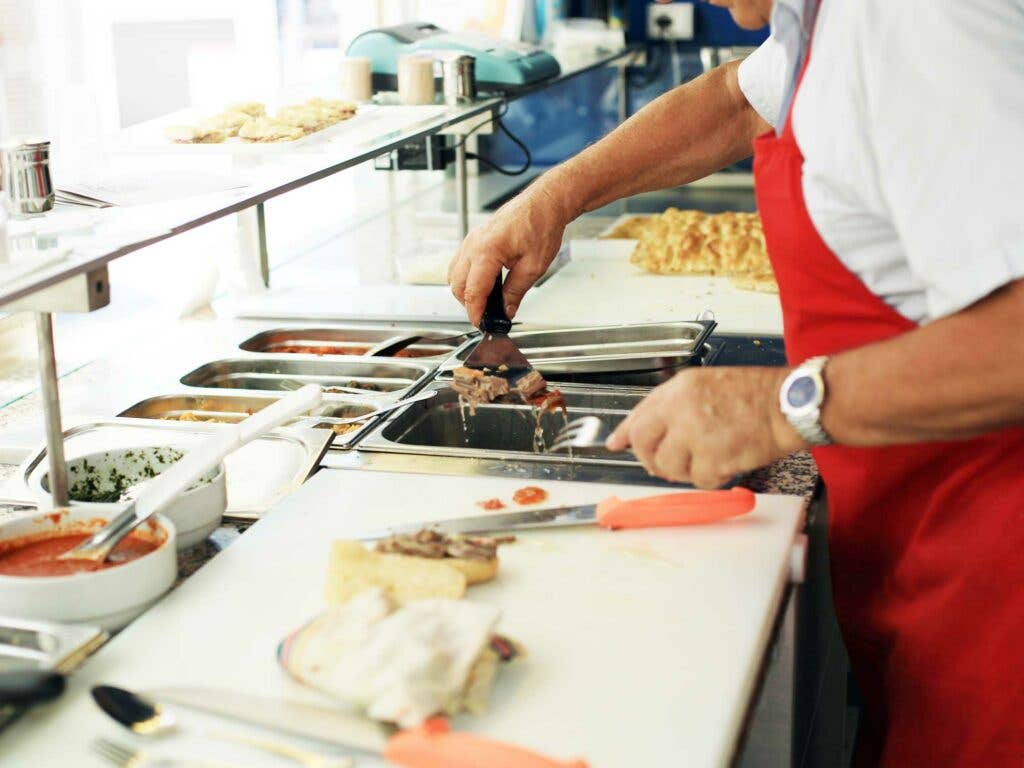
{"points": [[431, 745], [673, 509], [496, 352]]}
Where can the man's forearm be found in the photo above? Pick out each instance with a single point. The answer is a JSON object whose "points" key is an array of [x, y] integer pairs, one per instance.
{"points": [[955, 378], [689, 132]]}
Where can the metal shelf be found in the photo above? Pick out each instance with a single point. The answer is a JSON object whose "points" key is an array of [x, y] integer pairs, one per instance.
{"points": [[77, 281]]}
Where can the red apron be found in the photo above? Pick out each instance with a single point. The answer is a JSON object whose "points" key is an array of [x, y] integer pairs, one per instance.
{"points": [[926, 541]]}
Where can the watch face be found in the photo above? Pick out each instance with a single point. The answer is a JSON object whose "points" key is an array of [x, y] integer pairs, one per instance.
{"points": [[802, 392]]}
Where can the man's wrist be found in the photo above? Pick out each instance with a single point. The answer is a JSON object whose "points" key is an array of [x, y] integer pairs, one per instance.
{"points": [[565, 191]]}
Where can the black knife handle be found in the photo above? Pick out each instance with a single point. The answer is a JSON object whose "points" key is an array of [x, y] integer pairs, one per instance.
{"points": [[30, 685], [494, 319]]}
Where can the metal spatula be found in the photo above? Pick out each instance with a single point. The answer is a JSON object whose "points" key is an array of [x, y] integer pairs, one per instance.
{"points": [[496, 352]]}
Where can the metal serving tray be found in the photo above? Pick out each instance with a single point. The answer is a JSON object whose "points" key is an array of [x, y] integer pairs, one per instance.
{"points": [[216, 408], [610, 349], [440, 427], [280, 373], [258, 474], [274, 340]]}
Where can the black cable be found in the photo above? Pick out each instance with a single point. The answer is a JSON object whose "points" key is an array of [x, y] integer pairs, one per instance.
{"points": [[527, 156], [497, 168], [477, 127], [655, 58]]}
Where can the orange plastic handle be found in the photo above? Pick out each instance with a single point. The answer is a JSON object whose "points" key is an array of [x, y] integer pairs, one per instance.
{"points": [[688, 508], [435, 745]]}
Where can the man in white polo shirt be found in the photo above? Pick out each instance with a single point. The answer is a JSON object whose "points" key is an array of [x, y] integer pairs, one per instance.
{"points": [[887, 138]]}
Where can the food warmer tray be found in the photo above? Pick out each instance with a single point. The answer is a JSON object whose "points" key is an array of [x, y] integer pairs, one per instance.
{"points": [[258, 474], [212, 406], [505, 431], [622, 349], [376, 377], [33, 644], [272, 341]]}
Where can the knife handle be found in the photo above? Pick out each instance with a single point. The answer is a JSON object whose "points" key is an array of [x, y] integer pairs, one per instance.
{"points": [[434, 745], [494, 318], [687, 508]]}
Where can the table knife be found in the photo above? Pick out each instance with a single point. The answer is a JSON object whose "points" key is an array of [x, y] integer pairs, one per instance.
{"points": [[664, 510], [431, 745]]}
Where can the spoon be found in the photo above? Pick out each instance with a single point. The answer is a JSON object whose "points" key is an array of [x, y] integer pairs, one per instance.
{"points": [[147, 718], [180, 475]]}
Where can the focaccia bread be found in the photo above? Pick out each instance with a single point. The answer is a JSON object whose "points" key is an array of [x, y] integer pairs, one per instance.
{"points": [[251, 108], [727, 244], [194, 134], [264, 129]]}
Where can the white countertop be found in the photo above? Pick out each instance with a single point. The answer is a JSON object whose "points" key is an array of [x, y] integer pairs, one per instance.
{"points": [[641, 647], [600, 287]]}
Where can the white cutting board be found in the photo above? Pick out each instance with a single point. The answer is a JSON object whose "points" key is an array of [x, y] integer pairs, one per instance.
{"points": [[600, 287], [642, 647]]}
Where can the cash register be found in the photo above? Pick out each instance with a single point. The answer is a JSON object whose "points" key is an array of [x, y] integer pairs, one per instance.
{"points": [[501, 65]]}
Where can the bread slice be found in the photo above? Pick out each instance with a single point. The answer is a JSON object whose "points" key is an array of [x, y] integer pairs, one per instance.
{"points": [[475, 571], [353, 568]]}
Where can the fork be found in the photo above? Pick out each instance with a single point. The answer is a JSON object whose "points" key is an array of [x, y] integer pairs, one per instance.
{"points": [[125, 757], [585, 432]]}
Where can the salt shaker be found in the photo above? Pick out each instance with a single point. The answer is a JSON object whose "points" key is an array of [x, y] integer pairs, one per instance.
{"points": [[459, 79], [27, 186]]}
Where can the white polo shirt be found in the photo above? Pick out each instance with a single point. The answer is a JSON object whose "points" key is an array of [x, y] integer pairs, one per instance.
{"points": [[911, 122]]}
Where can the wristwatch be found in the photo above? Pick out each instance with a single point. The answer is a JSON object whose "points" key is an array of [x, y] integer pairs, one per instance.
{"points": [[801, 397]]}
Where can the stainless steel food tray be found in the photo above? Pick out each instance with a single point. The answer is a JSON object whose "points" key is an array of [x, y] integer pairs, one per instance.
{"points": [[620, 349], [279, 373], [215, 407], [274, 340], [440, 427], [258, 474]]}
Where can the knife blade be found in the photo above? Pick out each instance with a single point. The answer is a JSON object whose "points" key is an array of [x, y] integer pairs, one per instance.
{"points": [[427, 746], [308, 720], [663, 510]]}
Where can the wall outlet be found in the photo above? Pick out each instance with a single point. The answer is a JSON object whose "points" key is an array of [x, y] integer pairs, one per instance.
{"points": [[680, 21]]}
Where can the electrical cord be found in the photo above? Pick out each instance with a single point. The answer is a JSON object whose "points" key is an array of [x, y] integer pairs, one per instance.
{"points": [[527, 156], [481, 124], [655, 56]]}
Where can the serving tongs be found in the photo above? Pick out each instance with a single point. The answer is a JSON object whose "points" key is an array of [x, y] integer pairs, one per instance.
{"points": [[162, 489], [496, 353]]}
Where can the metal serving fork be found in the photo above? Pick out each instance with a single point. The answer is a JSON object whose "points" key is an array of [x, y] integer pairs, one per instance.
{"points": [[125, 757], [586, 432]]}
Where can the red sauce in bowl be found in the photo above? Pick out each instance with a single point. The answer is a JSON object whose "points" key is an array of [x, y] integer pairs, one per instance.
{"points": [[35, 556], [531, 494]]}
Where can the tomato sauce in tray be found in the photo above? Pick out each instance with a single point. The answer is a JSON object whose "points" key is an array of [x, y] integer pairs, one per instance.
{"points": [[337, 349], [38, 555]]}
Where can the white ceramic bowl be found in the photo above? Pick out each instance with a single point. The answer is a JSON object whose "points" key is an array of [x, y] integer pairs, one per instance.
{"points": [[196, 513], [109, 598]]}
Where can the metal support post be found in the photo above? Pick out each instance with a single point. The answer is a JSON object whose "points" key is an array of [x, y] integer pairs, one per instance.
{"points": [[461, 188], [51, 409], [261, 229], [623, 93]]}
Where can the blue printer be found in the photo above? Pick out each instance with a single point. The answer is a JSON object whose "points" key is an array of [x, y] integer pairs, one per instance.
{"points": [[501, 65]]}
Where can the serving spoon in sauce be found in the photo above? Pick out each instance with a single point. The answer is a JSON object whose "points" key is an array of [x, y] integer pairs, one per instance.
{"points": [[162, 489]]}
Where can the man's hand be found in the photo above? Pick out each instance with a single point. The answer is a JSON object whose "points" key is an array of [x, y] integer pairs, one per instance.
{"points": [[707, 424], [524, 237]]}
